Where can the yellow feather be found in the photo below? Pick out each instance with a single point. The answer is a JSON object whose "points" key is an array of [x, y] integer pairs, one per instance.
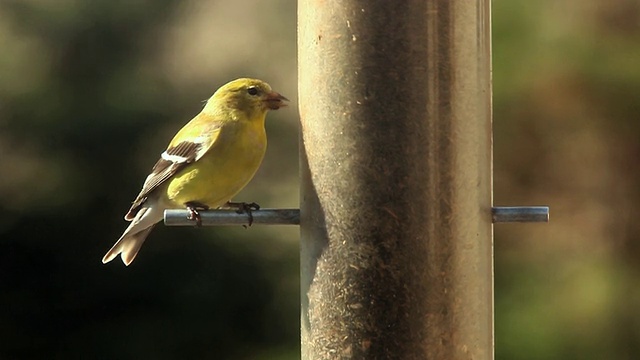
{"points": [[232, 142], [225, 169]]}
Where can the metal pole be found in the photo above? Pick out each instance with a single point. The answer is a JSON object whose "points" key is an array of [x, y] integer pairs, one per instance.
{"points": [[180, 217], [504, 214], [396, 233]]}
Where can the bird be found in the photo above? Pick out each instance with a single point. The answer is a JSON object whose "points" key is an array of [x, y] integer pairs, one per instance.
{"points": [[207, 162]]}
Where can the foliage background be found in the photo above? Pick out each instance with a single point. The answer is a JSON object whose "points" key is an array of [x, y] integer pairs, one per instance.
{"points": [[90, 93]]}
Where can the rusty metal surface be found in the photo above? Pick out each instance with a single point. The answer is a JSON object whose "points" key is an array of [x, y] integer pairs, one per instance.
{"points": [[396, 233]]}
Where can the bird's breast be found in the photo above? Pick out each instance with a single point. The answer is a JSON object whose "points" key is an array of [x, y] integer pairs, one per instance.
{"points": [[224, 170]]}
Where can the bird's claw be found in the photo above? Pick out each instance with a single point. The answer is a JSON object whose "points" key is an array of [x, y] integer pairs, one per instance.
{"points": [[245, 208], [194, 214]]}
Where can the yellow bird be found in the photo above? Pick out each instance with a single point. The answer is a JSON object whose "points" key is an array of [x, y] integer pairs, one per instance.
{"points": [[208, 161]]}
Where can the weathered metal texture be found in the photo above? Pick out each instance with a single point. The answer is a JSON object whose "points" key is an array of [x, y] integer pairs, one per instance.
{"points": [[395, 107]]}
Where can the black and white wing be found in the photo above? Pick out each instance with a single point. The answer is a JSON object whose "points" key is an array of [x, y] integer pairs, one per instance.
{"points": [[174, 159]]}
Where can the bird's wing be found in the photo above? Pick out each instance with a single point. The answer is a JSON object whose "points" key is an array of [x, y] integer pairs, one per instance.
{"points": [[178, 155]]}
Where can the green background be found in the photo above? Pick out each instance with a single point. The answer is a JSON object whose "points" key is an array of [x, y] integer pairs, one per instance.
{"points": [[91, 92]]}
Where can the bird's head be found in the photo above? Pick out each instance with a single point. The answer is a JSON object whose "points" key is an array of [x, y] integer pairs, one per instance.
{"points": [[248, 95]]}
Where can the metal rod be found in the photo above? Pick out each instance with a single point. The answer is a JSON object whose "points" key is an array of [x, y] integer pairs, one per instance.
{"points": [[231, 217], [502, 214], [178, 217], [396, 232]]}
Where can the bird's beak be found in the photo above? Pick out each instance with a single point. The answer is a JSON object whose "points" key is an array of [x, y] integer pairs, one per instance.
{"points": [[275, 101]]}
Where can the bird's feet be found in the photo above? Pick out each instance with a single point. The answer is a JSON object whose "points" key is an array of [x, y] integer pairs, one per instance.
{"points": [[194, 207], [244, 208]]}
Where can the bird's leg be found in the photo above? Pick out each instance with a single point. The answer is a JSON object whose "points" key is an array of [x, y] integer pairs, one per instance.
{"points": [[194, 207], [244, 208]]}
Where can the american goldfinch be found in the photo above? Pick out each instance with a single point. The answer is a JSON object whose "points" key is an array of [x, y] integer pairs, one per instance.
{"points": [[208, 161]]}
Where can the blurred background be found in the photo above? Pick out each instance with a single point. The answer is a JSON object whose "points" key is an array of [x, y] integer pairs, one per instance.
{"points": [[91, 92]]}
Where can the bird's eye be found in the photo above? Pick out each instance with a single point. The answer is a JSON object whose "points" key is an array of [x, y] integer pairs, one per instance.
{"points": [[252, 90]]}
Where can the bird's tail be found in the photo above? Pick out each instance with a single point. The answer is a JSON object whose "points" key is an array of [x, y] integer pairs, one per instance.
{"points": [[133, 237]]}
